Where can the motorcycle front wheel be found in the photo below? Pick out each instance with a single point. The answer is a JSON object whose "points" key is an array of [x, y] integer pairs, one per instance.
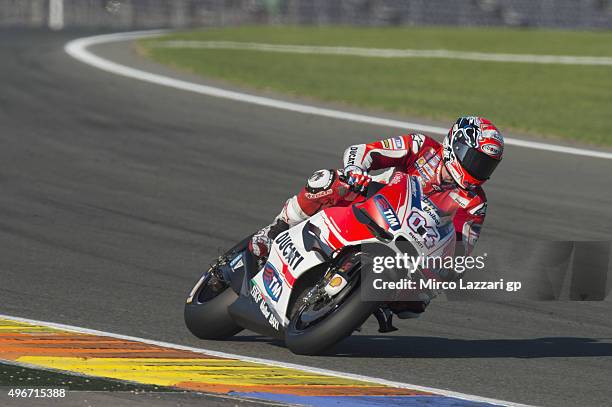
{"points": [[315, 326]]}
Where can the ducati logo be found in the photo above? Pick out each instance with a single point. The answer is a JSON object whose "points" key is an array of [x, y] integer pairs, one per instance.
{"points": [[352, 156], [288, 250]]}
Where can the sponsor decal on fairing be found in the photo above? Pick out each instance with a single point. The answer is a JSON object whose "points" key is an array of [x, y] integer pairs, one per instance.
{"points": [[236, 263], [288, 250], [263, 307], [415, 188], [428, 207], [272, 282], [386, 210], [419, 225]]}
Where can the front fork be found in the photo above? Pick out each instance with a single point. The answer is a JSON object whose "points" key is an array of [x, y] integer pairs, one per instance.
{"points": [[383, 314]]}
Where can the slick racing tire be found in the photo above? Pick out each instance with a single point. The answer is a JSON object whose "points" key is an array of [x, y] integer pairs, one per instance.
{"points": [[340, 324], [206, 316], [336, 319], [210, 320]]}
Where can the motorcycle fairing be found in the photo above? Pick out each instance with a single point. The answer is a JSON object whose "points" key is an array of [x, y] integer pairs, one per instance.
{"points": [[338, 227]]}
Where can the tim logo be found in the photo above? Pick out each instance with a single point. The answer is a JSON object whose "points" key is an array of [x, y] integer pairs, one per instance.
{"points": [[387, 212], [272, 282]]}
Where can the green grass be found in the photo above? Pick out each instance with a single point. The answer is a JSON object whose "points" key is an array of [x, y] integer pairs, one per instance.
{"points": [[571, 102]]}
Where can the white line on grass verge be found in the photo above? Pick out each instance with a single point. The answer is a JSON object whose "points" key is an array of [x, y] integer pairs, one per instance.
{"points": [[392, 53], [78, 49], [268, 362]]}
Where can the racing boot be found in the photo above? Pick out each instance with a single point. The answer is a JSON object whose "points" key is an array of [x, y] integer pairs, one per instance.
{"points": [[291, 214], [262, 240]]}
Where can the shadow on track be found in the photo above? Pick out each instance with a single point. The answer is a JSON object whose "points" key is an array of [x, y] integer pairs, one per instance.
{"points": [[374, 347]]}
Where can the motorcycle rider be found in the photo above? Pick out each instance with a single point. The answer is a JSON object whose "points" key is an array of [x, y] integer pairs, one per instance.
{"points": [[450, 173]]}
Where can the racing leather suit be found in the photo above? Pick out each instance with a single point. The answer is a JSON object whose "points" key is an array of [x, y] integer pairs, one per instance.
{"points": [[417, 155]]}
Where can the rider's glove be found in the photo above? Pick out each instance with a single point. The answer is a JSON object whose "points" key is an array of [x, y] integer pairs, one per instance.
{"points": [[358, 182]]}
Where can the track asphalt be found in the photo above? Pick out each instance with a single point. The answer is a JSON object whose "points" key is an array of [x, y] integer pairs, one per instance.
{"points": [[116, 193]]}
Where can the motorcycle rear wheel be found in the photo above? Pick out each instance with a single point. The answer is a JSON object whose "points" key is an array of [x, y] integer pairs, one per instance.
{"points": [[206, 316]]}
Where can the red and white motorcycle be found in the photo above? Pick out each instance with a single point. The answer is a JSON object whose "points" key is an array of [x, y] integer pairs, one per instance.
{"points": [[307, 293]]}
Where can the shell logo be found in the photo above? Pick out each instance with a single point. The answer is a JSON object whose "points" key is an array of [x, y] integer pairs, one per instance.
{"points": [[335, 282]]}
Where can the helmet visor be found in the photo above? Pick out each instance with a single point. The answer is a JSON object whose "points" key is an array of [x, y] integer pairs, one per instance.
{"points": [[478, 164]]}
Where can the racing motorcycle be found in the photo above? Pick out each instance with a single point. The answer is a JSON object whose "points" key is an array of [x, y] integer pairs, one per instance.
{"points": [[307, 292]]}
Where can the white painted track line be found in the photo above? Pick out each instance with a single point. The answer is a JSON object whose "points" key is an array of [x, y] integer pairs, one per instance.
{"points": [[268, 362], [392, 53], [78, 49]]}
